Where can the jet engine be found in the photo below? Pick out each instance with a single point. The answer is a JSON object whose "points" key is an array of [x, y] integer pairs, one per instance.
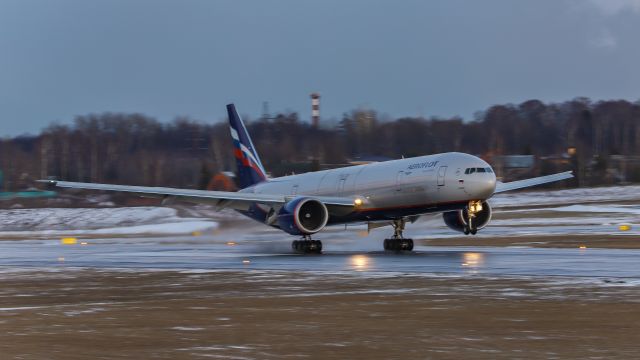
{"points": [[303, 216], [459, 220]]}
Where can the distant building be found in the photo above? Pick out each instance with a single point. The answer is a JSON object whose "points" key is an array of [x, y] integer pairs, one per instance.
{"points": [[516, 161], [509, 167], [224, 181]]}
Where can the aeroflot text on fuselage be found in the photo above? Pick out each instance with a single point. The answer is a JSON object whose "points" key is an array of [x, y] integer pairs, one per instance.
{"points": [[423, 165]]}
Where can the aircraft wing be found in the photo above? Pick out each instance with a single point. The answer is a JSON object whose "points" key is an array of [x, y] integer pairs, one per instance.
{"points": [[520, 184], [222, 199]]}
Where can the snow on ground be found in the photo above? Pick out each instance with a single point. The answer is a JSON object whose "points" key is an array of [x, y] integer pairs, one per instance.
{"points": [[564, 221], [622, 209], [570, 196], [580, 215], [120, 221]]}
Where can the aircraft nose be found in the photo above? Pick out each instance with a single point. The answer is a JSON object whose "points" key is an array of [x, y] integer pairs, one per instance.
{"points": [[484, 186]]}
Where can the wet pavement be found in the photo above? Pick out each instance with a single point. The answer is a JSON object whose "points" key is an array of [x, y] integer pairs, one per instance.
{"points": [[212, 252]]}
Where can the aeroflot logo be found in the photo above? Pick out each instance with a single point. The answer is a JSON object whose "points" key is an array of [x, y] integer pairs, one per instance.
{"points": [[245, 155], [424, 165]]}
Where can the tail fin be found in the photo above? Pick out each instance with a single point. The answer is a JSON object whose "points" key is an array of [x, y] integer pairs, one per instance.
{"points": [[250, 170]]}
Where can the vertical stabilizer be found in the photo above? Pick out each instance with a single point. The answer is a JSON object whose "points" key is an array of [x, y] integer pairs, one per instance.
{"points": [[250, 169]]}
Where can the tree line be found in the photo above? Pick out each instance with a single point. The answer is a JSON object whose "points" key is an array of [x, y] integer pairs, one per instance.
{"points": [[592, 138]]}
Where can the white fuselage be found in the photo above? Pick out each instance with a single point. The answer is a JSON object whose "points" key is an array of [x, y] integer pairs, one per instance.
{"points": [[418, 183]]}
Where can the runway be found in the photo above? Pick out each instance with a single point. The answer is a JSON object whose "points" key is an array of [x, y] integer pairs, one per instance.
{"points": [[238, 292], [212, 253]]}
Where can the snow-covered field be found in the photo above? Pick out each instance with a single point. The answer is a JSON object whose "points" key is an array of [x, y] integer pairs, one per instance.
{"points": [[100, 221], [569, 196]]}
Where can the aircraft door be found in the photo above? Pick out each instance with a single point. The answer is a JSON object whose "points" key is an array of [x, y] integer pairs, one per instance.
{"points": [[400, 180], [341, 182], [442, 171], [345, 184], [328, 184]]}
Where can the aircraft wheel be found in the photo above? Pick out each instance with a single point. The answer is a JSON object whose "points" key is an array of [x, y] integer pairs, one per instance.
{"points": [[466, 230], [398, 244], [409, 244], [307, 246], [406, 245], [473, 231], [311, 246]]}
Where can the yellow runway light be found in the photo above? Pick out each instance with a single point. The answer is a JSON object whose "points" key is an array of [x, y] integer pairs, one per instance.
{"points": [[69, 241], [624, 227], [84, 243], [246, 261], [196, 233], [582, 247], [231, 243]]}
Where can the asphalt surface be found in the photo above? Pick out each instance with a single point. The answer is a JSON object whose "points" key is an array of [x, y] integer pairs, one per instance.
{"points": [[359, 255]]}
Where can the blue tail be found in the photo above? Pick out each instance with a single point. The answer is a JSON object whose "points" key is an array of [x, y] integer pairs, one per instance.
{"points": [[250, 170]]}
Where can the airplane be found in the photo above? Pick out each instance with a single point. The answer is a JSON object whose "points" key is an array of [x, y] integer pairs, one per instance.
{"points": [[393, 192]]}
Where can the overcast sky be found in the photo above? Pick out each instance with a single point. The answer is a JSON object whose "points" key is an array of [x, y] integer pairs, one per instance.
{"points": [[63, 58]]}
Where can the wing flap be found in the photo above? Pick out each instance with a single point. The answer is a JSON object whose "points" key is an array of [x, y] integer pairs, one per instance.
{"points": [[521, 184]]}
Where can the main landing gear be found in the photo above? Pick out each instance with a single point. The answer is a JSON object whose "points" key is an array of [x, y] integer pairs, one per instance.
{"points": [[307, 246], [398, 242]]}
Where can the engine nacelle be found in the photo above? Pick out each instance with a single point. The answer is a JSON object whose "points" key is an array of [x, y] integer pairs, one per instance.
{"points": [[457, 220], [303, 216]]}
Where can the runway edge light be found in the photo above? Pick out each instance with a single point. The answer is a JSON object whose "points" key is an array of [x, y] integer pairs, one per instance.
{"points": [[68, 241]]}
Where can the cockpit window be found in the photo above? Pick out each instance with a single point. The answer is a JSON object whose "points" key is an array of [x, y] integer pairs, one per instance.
{"points": [[478, 170]]}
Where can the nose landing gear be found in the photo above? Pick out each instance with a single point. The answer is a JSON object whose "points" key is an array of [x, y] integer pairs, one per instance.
{"points": [[473, 209], [398, 242]]}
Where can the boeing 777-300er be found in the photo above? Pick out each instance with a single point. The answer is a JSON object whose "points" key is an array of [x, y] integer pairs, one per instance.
{"points": [[385, 193]]}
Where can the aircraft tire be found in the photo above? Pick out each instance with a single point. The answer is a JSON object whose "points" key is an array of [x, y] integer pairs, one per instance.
{"points": [[409, 246], [307, 246], [398, 244]]}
